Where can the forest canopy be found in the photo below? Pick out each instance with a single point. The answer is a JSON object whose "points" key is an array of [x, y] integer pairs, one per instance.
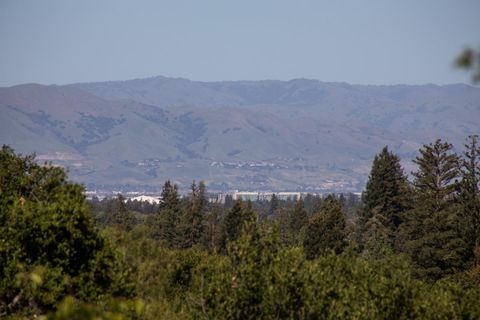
{"points": [[407, 249]]}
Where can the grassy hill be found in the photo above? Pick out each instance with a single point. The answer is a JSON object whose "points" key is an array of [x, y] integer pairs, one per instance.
{"points": [[298, 134]]}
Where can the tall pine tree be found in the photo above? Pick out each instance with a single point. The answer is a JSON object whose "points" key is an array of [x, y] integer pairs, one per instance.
{"points": [[387, 194], [470, 192], [212, 234], [432, 232], [191, 226], [231, 224], [165, 224], [386, 190]]}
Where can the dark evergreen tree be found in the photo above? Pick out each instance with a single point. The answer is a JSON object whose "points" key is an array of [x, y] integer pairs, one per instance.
{"points": [[212, 234], [325, 230], [283, 219], [229, 202], [248, 212], [118, 216], [386, 198], [241, 218], [165, 222], [342, 200], [470, 192], [203, 208], [232, 224], [298, 217], [191, 225], [273, 205], [312, 203], [432, 232], [387, 193]]}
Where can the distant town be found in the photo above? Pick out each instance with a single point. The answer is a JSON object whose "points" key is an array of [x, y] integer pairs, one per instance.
{"points": [[213, 196]]}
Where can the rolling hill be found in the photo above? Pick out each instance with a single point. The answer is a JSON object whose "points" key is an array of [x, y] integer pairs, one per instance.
{"points": [[282, 135]]}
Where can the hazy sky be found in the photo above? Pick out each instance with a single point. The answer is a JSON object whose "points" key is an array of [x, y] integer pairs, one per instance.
{"points": [[366, 42]]}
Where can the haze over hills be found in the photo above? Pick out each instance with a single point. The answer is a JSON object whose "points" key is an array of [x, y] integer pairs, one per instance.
{"points": [[279, 135]]}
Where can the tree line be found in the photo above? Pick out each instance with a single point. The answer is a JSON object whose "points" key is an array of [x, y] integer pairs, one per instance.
{"points": [[409, 249]]}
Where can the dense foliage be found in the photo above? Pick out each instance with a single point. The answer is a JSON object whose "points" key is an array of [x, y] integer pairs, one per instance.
{"points": [[410, 250], [49, 246]]}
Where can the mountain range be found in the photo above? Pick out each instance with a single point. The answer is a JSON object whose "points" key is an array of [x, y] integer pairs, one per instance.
{"points": [[249, 135]]}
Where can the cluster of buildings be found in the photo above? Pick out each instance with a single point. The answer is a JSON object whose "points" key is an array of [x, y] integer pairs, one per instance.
{"points": [[247, 165], [255, 196], [214, 197]]}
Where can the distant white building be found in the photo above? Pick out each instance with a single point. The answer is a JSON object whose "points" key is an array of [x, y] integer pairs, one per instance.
{"points": [[150, 199]]}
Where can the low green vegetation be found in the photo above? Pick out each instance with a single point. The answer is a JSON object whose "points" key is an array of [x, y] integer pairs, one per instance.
{"points": [[408, 250]]}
